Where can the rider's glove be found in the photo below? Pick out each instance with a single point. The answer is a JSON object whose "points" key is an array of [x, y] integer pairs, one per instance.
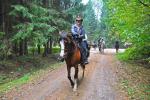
{"points": [[75, 36], [80, 36]]}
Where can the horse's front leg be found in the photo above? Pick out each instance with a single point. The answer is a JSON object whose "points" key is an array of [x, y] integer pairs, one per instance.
{"points": [[75, 78], [69, 77]]}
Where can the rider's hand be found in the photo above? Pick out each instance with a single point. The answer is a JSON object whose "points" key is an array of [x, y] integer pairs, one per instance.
{"points": [[80, 36], [75, 35]]}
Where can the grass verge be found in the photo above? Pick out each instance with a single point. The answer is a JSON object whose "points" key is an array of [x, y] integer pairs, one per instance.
{"points": [[28, 70], [134, 79]]}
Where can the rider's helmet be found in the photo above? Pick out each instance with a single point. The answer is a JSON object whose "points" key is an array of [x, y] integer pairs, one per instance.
{"points": [[79, 18]]}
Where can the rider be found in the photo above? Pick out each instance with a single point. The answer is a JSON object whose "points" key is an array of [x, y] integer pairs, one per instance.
{"points": [[102, 41], [78, 34], [99, 41]]}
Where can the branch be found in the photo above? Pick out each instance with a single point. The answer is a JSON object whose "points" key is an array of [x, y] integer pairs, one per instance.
{"points": [[146, 5]]}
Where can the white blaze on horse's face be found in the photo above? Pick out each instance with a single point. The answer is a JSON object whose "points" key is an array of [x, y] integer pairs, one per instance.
{"points": [[62, 48]]}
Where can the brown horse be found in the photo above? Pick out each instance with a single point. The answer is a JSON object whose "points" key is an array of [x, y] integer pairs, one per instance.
{"points": [[72, 57]]}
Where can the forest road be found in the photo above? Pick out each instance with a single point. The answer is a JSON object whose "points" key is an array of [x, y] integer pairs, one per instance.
{"points": [[98, 84]]}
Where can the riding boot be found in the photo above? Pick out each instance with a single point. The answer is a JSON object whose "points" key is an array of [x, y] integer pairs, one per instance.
{"points": [[85, 61], [83, 53]]}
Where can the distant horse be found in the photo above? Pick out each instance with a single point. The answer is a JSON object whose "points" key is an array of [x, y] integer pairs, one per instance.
{"points": [[117, 46], [94, 45], [101, 46], [88, 50], [72, 58]]}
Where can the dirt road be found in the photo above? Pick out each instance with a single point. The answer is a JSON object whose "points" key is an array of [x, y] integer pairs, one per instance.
{"points": [[98, 84]]}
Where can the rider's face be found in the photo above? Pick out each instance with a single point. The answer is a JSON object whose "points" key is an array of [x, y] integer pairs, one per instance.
{"points": [[79, 22]]}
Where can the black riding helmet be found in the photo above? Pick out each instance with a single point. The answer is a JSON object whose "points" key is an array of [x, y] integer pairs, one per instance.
{"points": [[79, 18]]}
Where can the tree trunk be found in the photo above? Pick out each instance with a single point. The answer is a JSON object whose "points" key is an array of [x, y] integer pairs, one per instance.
{"points": [[48, 49], [21, 47], [39, 49], [3, 16], [15, 48], [45, 50], [25, 47], [50, 40]]}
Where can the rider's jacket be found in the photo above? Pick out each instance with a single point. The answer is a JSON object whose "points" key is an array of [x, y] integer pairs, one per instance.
{"points": [[78, 32]]}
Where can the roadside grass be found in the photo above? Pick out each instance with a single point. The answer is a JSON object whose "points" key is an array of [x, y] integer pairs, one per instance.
{"points": [[134, 79], [27, 77], [17, 82], [21, 70], [141, 56]]}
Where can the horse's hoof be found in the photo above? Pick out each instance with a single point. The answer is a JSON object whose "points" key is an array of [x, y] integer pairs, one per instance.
{"points": [[74, 89]]}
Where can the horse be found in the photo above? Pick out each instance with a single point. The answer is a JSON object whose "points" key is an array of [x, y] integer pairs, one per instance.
{"points": [[72, 56], [101, 46], [117, 46], [88, 50]]}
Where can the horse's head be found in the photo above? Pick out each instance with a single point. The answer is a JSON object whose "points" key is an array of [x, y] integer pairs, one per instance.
{"points": [[69, 44], [68, 39]]}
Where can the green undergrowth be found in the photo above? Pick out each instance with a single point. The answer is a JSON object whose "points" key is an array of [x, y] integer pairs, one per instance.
{"points": [[134, 80], [31, 50], [22, 70], [134, 72], [136, 54]]}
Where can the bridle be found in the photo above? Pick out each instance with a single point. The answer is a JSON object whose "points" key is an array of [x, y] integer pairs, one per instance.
{"points": [[70, 46]]}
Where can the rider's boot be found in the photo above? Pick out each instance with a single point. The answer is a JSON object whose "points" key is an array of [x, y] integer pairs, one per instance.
{"points": [[85, 61]]}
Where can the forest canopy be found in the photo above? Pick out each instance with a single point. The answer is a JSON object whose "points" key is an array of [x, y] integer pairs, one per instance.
{"points": [[29, 25]]}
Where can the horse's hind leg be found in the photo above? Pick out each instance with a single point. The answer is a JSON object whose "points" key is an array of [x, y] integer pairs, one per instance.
{"points": [[75, 78], [69, 77]]}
